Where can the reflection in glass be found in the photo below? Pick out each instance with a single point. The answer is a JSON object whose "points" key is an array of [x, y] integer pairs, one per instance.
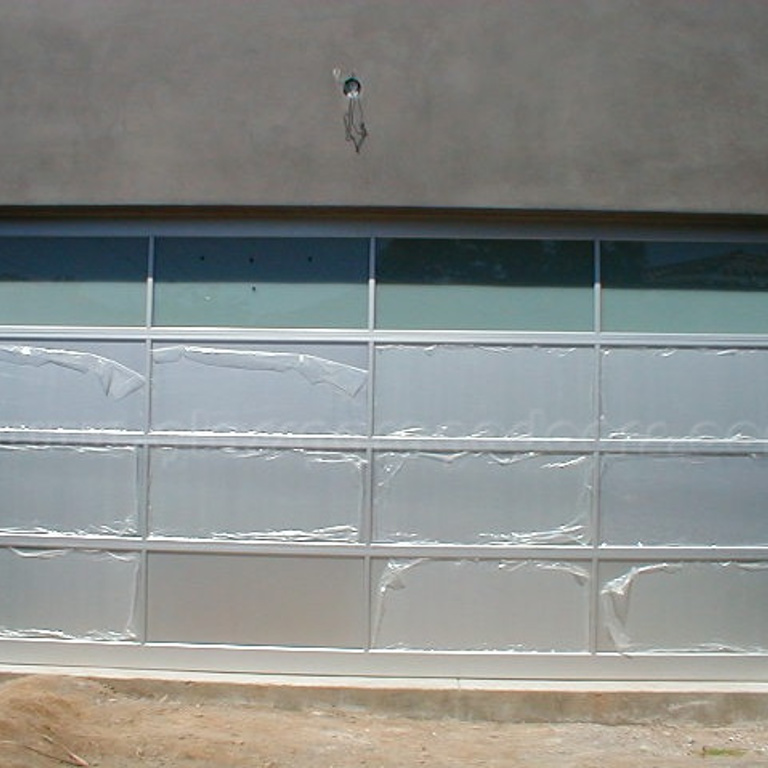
{"points": [[262, 282], [685, 287], [484, 284], [73, 281]]}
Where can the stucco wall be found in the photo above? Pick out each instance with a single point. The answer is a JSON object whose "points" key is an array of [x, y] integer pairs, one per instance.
{"points": [[580, 104]]}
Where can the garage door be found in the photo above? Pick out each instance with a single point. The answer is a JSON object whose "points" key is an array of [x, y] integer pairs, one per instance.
{"points": [[389, 450]]}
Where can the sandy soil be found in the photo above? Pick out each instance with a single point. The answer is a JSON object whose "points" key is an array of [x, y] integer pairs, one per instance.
{"points": [[47, 721]]}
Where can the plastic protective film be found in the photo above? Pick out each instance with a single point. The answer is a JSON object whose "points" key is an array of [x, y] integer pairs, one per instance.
{"points": [[69, 490], [481, 605], [95, 385], [717, 607], [293, 389], [68, 594], [232, 599], [684, 500], [455, 391], [482, 498], [277, 495], [696, 393]]}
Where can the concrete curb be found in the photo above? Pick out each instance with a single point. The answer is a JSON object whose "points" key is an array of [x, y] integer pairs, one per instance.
{"points": [[609, 703]]}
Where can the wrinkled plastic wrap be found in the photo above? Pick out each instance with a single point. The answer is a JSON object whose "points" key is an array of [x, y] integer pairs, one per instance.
{"points": [[82, 386], [68, 594], [269, 495], [482, 498], [685, 393], [296, 389], [675, 500], [316, 370], [77, 490], [291, 601], [686, 607], [481, 605], [474, 391], [116, 380]]}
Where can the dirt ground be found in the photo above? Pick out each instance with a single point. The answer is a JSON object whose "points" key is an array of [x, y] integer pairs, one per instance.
{"points": [[47, 721]]}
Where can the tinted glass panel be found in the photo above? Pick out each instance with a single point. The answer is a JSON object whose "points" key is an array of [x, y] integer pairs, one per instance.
{"points": [[685, 287], [265, 282], [72, 281], [484, 284]]}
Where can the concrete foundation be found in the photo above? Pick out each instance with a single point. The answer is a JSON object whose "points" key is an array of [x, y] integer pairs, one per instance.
{"points": [[614, 703]]}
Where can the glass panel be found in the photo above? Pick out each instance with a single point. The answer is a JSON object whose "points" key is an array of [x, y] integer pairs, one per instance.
{"points": [[73, 281], [261, 600], [471, 605], [72, 385], [482, 498], [484, 284], [473, 391], [687, 607], [268, 495], [66, 489], [67, 594], [285, 389], [685, 287], [685, 393], [685, 500], [267, 282]]}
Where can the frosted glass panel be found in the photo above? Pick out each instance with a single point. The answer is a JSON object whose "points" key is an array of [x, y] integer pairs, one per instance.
{"points": [[64, 489], [685, 500], [73, 281], [455, 391], [685, 287], [267, 282], [481, 605], [677, 393], [294, 601], [687, 607], [72, 385], [290, 495], [482, 498], [67, 594], [284, 389], [484, 284]]}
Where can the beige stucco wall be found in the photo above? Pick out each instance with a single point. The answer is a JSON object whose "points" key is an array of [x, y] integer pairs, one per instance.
{"points": [[578, 104]]}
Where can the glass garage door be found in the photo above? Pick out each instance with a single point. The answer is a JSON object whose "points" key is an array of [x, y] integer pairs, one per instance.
{"points": [[283, 448]]}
